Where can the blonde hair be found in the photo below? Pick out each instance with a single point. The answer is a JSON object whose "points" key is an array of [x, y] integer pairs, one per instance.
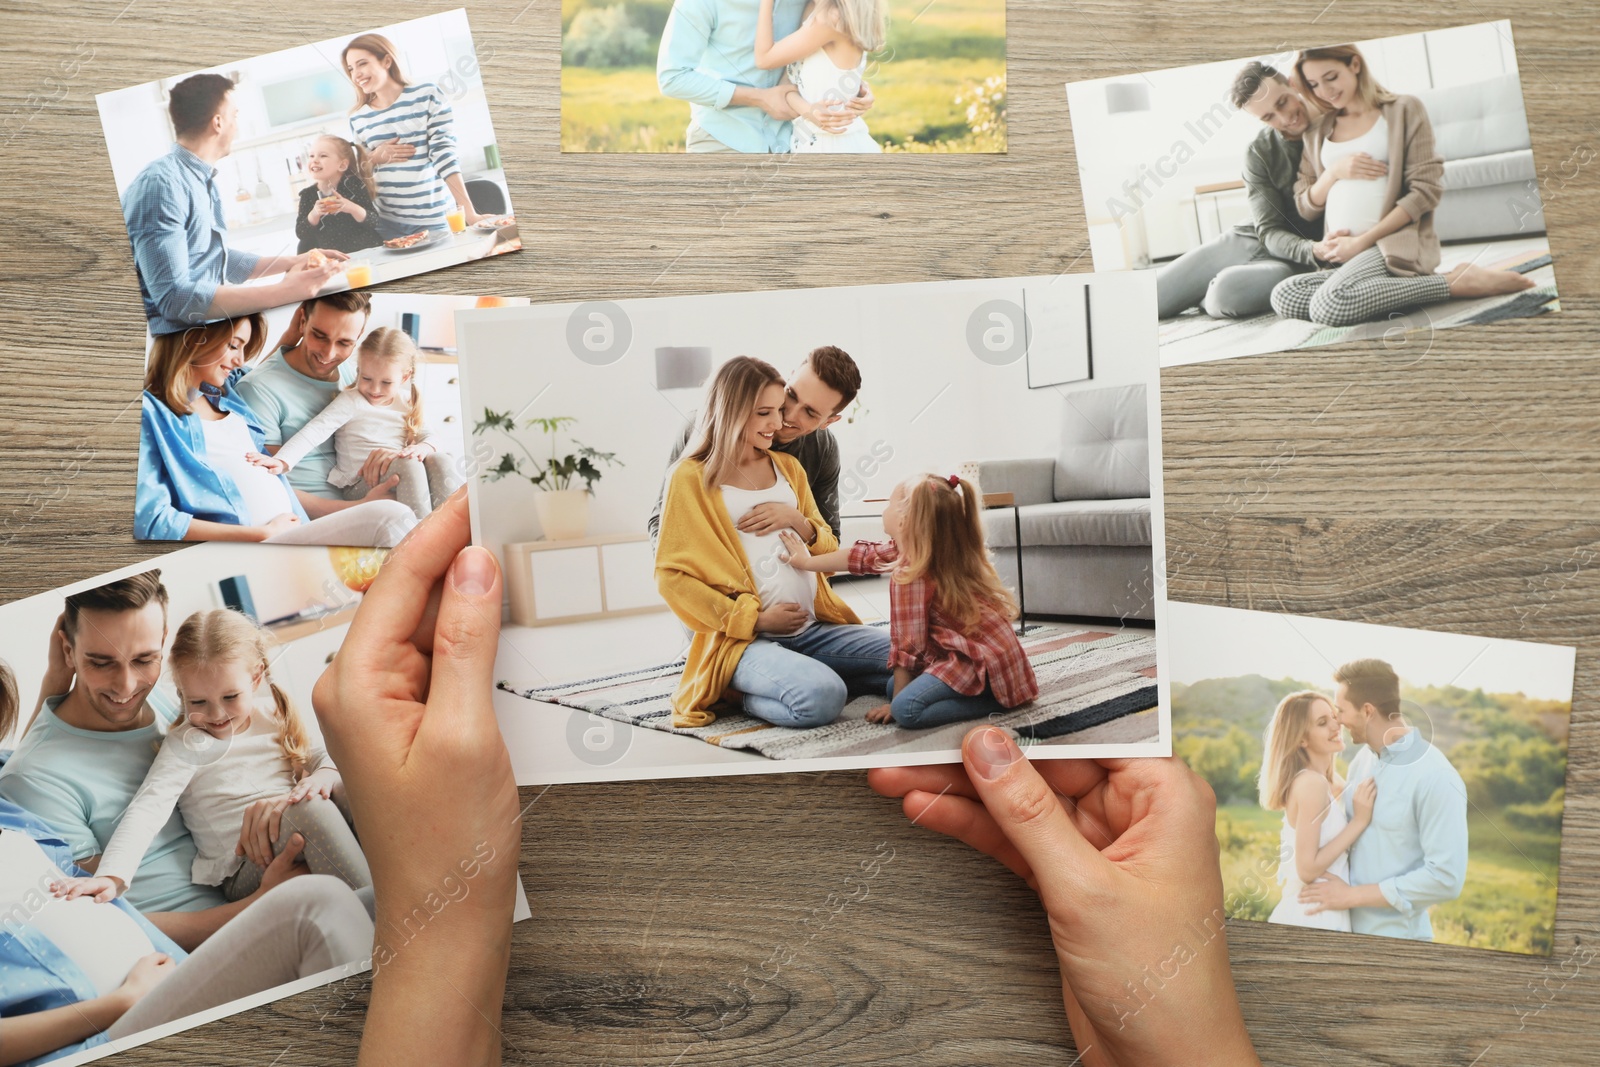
{"points": [[381, 47], [1285, 755], [729, 401], [10, 701], [1372, 94], [942, 539], [866, 22], [395, 346], [357, 161], [222, 635], [166, 371]]}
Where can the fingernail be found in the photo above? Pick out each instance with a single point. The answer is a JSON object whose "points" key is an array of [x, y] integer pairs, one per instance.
{"points": [[473, 572], [991, 752]]}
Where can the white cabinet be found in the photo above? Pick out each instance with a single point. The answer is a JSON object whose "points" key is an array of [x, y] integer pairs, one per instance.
{"points": [[569, 581]]}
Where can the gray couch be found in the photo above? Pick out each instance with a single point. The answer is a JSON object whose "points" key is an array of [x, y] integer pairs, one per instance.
{"points": [[1490, 186], [1085, 511]]}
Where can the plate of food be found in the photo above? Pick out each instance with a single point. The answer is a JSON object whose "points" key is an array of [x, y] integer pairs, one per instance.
{"points": [[499, 222], [410, 242]]}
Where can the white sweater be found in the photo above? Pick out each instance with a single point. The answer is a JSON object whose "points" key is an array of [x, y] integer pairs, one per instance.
{"points": [[357, 427], [212, 782]]}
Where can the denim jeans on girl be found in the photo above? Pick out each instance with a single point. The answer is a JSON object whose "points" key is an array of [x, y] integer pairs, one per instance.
{"points": [[926, 701]]}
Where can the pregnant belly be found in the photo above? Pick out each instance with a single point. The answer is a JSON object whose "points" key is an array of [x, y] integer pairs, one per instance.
{"points": [[1354, 205]]}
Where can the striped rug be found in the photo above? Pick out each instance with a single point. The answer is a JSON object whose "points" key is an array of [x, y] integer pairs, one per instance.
{"points": [[1086, 678]]}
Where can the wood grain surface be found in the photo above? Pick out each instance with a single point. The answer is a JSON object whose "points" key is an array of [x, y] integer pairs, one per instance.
{"points": [[1449, 483]]}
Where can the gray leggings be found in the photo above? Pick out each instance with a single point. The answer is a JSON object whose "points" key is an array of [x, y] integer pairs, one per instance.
{"points": [[1359, 291], [303, 927], [1229, 277], [424, 483], [331, 848]]}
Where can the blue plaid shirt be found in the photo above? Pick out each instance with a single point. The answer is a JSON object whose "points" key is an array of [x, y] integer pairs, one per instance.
{"points": [[180, 240]]}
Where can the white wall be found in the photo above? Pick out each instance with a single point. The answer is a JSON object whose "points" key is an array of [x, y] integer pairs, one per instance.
{"points": [[925, 397]]}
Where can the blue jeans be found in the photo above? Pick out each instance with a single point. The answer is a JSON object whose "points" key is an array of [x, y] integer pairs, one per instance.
{"points": [[926, 701], [807, 678]]}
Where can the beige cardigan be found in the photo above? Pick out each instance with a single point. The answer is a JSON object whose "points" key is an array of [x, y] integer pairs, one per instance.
{"points": [[1416, 181]]}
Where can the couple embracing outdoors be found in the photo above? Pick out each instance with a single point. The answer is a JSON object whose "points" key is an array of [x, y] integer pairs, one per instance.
{"points": [[743, 550]]}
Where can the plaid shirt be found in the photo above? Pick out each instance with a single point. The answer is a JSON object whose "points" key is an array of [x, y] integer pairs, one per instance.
{"points": [[923, 638], [180, 240]]}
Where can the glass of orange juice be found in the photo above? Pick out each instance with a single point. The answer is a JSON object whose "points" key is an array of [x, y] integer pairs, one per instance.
{"points": [[358, 273], [457, 219]]}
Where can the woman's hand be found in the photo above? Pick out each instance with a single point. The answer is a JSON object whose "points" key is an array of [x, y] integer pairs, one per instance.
{"points": [[392, 152], [1358, 166], [1123, 855], [1362, 803], [781, 619], [1344, 249], [149, 972], [319, 783], [279, 524], [260, 829], [407, 711], [103, 888]]}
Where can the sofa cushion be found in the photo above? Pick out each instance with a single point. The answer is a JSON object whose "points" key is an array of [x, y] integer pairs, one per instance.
{"points": [[1478, 119], [1105, 446], [1069, 523], [1496, 169]]}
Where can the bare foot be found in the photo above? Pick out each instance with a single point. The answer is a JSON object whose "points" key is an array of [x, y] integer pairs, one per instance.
{"points": [[880, 713], [1469, 280]]}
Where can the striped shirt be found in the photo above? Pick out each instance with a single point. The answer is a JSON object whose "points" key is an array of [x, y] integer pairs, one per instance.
{"points": [[412, 191]]}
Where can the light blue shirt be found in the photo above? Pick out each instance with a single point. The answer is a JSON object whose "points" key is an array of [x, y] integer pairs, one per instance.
{"points": [[81, 781], [283, 401], [708, 49], [1415, 851], [35, 975], [180, 240]]}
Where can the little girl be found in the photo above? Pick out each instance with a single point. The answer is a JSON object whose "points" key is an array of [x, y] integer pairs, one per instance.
{"points": [[954, 653], [369, 416], [827, 61], [336, 210], [240, 742]]}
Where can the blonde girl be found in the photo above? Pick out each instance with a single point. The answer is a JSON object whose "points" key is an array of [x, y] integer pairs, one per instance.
{"points": [[377, 430], [1298, 778], [409, 131], [240, 770], [827, 61], [336, 210], [954, 652]]}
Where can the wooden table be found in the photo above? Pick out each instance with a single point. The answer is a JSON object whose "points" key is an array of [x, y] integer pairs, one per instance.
{"points": [[1449, 485]]}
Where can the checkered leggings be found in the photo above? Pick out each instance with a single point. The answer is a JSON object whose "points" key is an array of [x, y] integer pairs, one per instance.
{"points": [[1359, 291]]}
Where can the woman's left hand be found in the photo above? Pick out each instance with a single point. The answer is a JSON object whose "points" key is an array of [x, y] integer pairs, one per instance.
{"points": [[260, 829]]}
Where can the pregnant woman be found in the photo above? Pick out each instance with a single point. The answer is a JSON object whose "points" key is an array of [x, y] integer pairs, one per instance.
{"points": [[1371, 172], [778, 636], [1297, 778], [195, 483]]}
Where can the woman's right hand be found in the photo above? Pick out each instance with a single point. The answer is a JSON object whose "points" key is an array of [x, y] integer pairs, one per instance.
{"points": [[1358, 166], [392, 152], [279, 524], [781, 619], [1123, 854], [149, 972], [1362, 803]]}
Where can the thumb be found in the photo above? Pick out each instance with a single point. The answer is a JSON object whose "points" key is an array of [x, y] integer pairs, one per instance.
{"points": [[1030, 814], [466, 635]]}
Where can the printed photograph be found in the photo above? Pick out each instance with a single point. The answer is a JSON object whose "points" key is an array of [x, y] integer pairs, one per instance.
{"points": [[339, 165], [1321, 194], [336, 421], [164, 788], [1377, 780], [785, 76], [735, 548]]}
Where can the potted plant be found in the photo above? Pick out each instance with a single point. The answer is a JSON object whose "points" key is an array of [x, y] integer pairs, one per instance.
{"points": [[562, 508]]}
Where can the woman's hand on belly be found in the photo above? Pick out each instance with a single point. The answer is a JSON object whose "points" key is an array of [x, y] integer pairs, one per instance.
{"points": [[1358, 166], [781, 619]]}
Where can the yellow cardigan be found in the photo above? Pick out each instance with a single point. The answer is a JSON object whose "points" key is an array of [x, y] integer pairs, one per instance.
{"points": [[704, 577]]}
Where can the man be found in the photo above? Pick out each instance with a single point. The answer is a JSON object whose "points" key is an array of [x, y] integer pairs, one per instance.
{"points": [[308, 368], [1232, 275], [824, 385], [187, 272], [1414, 855], [708, 57], [86, 754]]}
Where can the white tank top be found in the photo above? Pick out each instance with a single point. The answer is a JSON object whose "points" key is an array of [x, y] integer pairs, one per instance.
{"points": [[776, 581], [1356, 204], [227, 441]]}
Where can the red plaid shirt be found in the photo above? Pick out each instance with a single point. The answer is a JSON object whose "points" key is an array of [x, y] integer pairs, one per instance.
{"points": [[923, 638]]}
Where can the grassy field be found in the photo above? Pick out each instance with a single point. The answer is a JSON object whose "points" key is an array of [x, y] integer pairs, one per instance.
{"points": [[936, 50], [1508, 903]]}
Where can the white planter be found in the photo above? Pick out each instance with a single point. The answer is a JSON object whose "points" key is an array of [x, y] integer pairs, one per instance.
{"points": [[563, 513]]}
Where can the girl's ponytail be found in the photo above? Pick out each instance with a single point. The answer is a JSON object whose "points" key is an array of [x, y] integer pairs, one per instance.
{"points": [[291, 732], [363, 169]]}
